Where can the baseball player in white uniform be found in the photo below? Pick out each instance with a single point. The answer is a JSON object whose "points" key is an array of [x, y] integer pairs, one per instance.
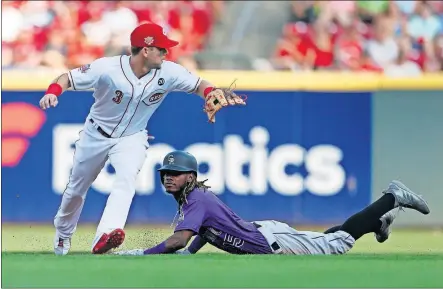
{"points": [[127, 91]]}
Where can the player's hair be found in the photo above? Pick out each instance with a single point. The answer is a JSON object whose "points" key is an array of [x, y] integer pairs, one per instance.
{"points": [[186, 190], [135, 50], [189, 187]]}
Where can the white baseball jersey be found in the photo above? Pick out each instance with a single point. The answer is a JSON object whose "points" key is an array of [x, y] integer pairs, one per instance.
{"points": [[123, 103]]}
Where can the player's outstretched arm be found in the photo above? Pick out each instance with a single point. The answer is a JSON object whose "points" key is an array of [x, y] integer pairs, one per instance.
{"points": [[171, 245], [174, 243], [55, 89]]}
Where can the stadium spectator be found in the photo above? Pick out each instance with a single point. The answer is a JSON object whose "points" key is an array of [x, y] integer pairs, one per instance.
{"points": [[438, 49], [37, 13], [383, 48], [25, 53], [368, 10], [121, 21], [367, 64], [402, 66], [405, 7], [342, 11], [320, 48], [349, 46], [291, 49], [424, 24], [14, 19], [95, 29], [81, 51], [56, 42], [302, 11]]}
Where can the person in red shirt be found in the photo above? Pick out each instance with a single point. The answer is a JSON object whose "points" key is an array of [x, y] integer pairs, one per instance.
{"points": [[80, 51], [291, 49], [320, 51], [349, 48], [194, 24]]}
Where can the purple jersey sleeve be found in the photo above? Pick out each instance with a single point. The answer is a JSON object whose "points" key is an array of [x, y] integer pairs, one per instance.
{"points": [[192, 218]]}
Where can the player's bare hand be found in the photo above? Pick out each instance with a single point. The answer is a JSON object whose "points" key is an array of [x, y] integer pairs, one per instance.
{"points": [[48, 100]]}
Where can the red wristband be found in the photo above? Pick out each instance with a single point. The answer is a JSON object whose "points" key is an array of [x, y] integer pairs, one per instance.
{"points": [[55, 89], [207, 91]]}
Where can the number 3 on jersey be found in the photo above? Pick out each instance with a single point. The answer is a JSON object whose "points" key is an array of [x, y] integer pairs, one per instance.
{"points": [[118, 96]]}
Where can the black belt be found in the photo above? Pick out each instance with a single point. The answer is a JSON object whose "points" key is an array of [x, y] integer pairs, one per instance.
{"points": [[274, 245], [100, 130]]}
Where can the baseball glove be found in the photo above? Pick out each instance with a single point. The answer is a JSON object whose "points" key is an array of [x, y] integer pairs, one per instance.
{"points": [[219, 98]]}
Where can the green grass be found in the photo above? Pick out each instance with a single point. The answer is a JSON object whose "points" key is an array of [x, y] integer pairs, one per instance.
{"points": [[407, 259]]}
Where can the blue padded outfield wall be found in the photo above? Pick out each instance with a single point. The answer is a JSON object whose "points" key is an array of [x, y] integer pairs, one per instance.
{"points": [[298, 157]]}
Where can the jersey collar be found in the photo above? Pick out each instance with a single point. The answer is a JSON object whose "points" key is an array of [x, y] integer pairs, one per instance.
{"points": [[132, 77]]}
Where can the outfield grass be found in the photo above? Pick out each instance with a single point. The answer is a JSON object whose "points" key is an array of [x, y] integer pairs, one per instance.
{"points": [[407, 259]]}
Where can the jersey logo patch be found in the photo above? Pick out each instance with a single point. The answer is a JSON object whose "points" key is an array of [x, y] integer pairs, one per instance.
{"points": [[154, 97], [118, 96], [84, 68], [161, 81]]}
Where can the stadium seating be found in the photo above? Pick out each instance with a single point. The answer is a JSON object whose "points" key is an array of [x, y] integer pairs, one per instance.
{"points": [[66, 34], [395, 37]]}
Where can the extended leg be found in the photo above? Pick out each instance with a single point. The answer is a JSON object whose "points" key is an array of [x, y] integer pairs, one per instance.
{"points": [[341, 239], [333, 229], [368, 220], [365, 220], [87, 164], [127, 157]]}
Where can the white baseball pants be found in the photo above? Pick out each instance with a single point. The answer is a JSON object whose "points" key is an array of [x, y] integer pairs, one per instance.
{"points": [[92, 150], [296, 242]]}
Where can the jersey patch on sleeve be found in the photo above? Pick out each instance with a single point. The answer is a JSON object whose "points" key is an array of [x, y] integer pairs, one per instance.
{"points": [[84, 68]]}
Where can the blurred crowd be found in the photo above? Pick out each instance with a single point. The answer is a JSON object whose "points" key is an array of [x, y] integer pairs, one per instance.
{"points": [[386, 36], [397, 38], [68, 34]]}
